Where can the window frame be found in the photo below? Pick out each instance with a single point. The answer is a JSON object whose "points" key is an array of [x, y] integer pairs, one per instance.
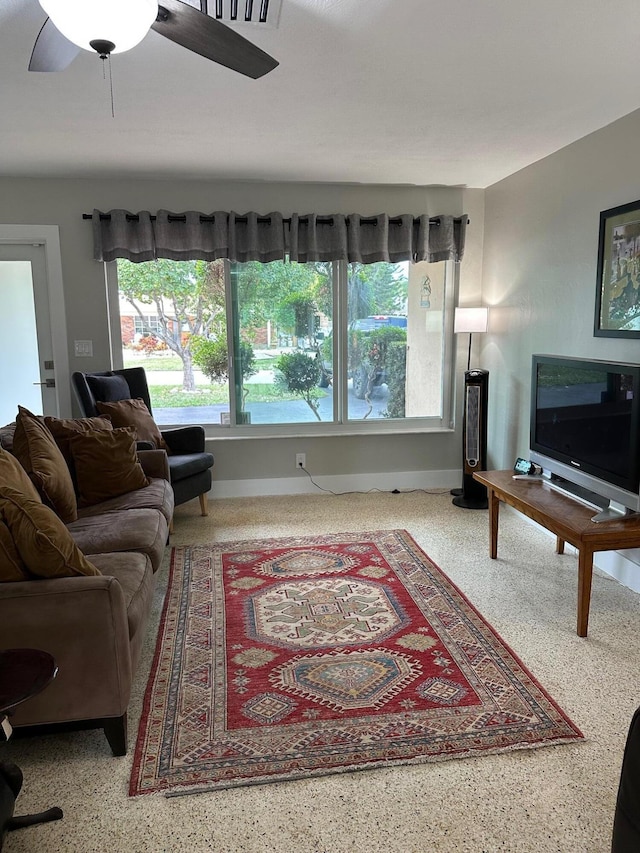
{"points": [[138, 321], [339, 426]]}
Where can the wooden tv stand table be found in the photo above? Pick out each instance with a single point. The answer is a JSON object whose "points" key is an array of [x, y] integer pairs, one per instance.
{"points": [[568, 519]]}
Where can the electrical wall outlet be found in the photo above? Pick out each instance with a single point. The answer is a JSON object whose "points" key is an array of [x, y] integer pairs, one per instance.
{"points": [[301, 460]]}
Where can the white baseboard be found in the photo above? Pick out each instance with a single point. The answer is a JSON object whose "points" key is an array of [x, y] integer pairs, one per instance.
{"points": [[301, 484], [621, 566]]}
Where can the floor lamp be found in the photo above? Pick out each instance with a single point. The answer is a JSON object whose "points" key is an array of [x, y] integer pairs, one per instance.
{"points": [[473, 495], [470, 320]]}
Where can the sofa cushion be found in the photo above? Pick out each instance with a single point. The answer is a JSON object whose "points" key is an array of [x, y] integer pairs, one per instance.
{"points": [[63, 428], [11, 566], [108, 388], [106, 465], [155, 463], [40, 456], [135, 575], [185, 465], [142, 530], [43, 542], [13, 475], [157, 495], [134, 413]]}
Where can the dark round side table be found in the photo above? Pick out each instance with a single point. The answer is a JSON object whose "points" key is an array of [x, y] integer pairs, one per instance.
{"points": [[23, 674]]}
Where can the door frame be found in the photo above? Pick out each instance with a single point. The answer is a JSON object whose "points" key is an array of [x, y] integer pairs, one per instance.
{"points": [[49, 237]]}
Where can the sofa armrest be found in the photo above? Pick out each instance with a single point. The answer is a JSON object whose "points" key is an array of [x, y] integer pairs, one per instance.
{"points": [[82, 622], [189, 439], [155, 463]]}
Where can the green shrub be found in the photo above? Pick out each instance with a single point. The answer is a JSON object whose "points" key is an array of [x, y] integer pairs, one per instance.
{"points": [[301, 308], [300, 375], [212, 357], [371, 347], [367, 353], [396, 366]]}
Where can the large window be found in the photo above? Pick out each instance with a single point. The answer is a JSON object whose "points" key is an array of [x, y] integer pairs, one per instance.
{"points": [[286, 347]]}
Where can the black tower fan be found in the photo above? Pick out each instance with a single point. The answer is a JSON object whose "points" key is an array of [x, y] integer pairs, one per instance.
{"points": [[473, 495]]}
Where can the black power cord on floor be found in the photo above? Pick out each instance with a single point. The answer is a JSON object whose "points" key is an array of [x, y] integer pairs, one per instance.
{"points": [[369, 491]]}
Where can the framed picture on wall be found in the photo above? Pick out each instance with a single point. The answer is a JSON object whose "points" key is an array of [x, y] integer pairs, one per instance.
{"points": [[618, 277]]}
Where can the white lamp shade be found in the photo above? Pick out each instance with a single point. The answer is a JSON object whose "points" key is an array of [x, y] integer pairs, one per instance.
{"points": [[470, 320], [123, 22]]}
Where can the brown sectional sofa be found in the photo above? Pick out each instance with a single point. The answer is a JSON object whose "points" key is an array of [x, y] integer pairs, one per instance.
{"points": [[92, 624]]}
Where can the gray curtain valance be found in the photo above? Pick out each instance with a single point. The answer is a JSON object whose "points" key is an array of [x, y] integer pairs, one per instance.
{"points": [[253, 237]]}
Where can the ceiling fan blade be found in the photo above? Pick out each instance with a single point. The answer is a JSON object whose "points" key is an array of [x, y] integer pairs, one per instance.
{"points": [[52, 51], [212, 39]]}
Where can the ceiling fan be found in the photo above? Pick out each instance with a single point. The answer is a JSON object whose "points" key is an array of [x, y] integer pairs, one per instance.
{"points": [[113, 26]]}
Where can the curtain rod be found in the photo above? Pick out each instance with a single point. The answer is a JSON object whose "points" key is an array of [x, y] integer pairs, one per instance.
{"points": [[326, 220]]}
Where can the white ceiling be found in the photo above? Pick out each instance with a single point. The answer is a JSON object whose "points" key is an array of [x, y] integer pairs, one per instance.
{"points": [[452, 92]]}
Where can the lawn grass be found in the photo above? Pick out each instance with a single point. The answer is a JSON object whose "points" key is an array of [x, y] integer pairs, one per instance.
{"points": [[173, 397], [267, 363], [152, 363]]}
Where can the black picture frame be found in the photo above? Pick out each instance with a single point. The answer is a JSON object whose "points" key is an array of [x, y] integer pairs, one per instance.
{"points": [[618, 273]]}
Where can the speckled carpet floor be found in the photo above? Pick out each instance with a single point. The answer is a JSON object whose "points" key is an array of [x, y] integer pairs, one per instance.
{"points": [[559, 799]]}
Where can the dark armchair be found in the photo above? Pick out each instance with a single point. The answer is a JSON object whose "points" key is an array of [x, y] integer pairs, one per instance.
{"points": [[189, 464], [626, 822]]}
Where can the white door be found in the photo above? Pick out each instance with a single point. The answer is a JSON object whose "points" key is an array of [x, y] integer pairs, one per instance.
{"points": [[29, 371]]}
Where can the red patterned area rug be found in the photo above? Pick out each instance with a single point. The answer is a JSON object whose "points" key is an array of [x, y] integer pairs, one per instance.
{"points": [[288, 658]]}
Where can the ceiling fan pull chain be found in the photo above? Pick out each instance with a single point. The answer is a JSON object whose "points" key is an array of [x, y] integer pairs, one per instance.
{"points": [[113, 115], [104, 57]]}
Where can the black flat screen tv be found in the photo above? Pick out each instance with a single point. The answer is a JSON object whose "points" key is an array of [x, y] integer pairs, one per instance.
{"points": [[585, 428]]}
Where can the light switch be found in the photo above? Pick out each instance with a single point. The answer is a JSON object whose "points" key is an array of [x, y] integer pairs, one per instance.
{"points": [[84, 348]]}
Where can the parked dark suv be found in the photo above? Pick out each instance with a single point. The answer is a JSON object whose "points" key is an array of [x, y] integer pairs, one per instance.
{"points": [[360, 369]]}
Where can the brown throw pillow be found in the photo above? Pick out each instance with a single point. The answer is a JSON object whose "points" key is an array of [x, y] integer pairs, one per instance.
{"points": [[13, 475], [43, 542], [106, 465], [41, 458], [11, 566], [63, 428], [134, 413]]}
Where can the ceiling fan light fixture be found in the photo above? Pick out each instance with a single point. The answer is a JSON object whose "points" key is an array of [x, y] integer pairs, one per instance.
{"points": [[123, 22]]}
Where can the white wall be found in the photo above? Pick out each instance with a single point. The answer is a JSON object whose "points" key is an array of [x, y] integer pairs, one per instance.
{"points": [[62, 202], [539, 270]]}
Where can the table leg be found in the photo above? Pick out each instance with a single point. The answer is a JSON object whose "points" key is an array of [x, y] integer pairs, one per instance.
{"points": [[585, 573], [559, 545], [494, 515]]}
